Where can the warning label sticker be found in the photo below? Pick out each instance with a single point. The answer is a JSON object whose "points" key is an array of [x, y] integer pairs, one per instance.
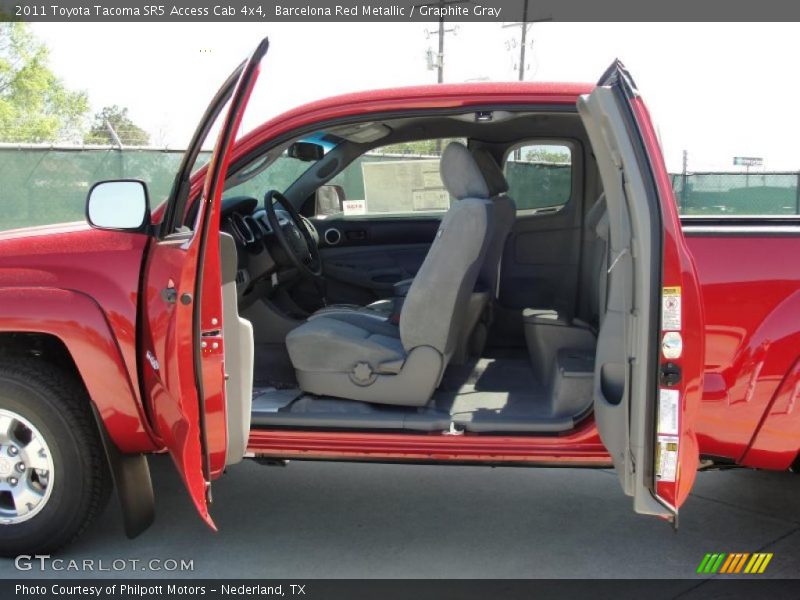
{"points": [[668, 406], [671, 309], [667, 458]]}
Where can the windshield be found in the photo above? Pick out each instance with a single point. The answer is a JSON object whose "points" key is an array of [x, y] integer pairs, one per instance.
{"points": [[271, 173]]}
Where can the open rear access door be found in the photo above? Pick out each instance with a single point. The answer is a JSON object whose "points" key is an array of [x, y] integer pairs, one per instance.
{"points": [[649, 363], [182, 346]]}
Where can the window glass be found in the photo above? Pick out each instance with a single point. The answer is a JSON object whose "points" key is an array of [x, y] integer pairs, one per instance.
{"points": [[267, 174], [539, 175], [190, 208], [400, 179]]}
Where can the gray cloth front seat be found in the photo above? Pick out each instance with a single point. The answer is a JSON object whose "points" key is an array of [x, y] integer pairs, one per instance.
{"points": [[505, 213], [362, 356]]}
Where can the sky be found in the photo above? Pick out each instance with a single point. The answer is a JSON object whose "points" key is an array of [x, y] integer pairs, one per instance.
{"points": [[715, 90]]}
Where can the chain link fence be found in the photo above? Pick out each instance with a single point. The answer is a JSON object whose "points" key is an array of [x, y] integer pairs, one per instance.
{"points": [[718, 194], [41, 185]]}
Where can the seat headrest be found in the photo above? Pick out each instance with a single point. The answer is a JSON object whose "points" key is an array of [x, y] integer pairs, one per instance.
{"points": [[465, 177], [492, 172]]}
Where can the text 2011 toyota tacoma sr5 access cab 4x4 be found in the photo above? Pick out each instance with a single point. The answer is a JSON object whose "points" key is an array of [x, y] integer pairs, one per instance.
{"points": [[478, 273]]}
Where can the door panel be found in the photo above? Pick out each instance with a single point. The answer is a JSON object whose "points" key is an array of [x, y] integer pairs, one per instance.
{"points": [[645, 424], [182, 344], [541, 259], [540, 263], [371, 255]]}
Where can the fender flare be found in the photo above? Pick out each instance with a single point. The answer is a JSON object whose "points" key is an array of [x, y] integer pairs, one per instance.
{"points": [[774, 372], [79, 322]]}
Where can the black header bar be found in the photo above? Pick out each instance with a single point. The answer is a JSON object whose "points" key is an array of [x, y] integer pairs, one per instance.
{"points": [[272, 11]]}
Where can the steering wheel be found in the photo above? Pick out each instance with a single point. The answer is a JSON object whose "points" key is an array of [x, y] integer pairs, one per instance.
{"points": [[293, 236]]}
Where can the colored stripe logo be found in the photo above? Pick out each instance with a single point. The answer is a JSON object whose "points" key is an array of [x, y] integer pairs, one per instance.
{"points": [[738, 563]]}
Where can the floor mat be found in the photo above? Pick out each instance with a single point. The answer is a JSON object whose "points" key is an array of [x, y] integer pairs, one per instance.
{"points": [[491, 375], [501, 388], [272, 367]]}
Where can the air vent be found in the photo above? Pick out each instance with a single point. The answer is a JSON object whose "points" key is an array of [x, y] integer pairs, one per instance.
{"points": [[332, 236], [253, 226], [310, 228], [241, 229], [264, 223]]}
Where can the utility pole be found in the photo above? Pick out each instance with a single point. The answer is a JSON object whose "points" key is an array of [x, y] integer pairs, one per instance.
{"points": [[684, 180], [441, 32], [438, 63], [523, 35], [524, 25]]}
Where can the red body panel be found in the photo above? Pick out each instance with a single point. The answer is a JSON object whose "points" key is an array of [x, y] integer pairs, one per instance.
{"points": [[211, 306], [581, 447], [81, 285], [400, 99], [678, 271], [775, 444], [169, 378], [750, 301], [751, 293]]}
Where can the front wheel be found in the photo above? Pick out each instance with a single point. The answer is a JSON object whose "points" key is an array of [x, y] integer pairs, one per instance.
{"points": [[54, 478]]}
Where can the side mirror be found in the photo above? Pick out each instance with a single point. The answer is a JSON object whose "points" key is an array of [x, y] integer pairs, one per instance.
{"points": [[119, 205], [329, 200], [306, 151]]}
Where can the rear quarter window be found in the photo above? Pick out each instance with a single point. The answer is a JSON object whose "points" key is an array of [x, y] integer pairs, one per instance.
{"points": [[539, 175]]}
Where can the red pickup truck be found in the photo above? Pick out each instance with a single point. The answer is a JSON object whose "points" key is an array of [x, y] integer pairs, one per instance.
{"points": [[489, 273]]}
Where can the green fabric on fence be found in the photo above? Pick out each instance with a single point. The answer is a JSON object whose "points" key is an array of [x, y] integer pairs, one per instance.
{"points": [[40, 186], [737, 193]]}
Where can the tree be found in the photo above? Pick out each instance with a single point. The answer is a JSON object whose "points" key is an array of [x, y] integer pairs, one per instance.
{"points": [[547, 154], [128, 132], [35, 106], [418, 148]]}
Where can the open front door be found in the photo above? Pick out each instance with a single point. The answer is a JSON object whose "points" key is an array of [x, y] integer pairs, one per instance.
{"points": [[182, 353], [649, 363]]}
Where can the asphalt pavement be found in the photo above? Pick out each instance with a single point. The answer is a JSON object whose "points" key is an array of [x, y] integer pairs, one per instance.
{"points": [[334, 520]]}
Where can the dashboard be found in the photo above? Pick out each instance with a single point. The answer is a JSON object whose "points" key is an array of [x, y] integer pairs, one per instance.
{"points": [[261, 262]]}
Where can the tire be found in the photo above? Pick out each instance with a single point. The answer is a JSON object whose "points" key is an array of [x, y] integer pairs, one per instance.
{"points": [[52, 405]]}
